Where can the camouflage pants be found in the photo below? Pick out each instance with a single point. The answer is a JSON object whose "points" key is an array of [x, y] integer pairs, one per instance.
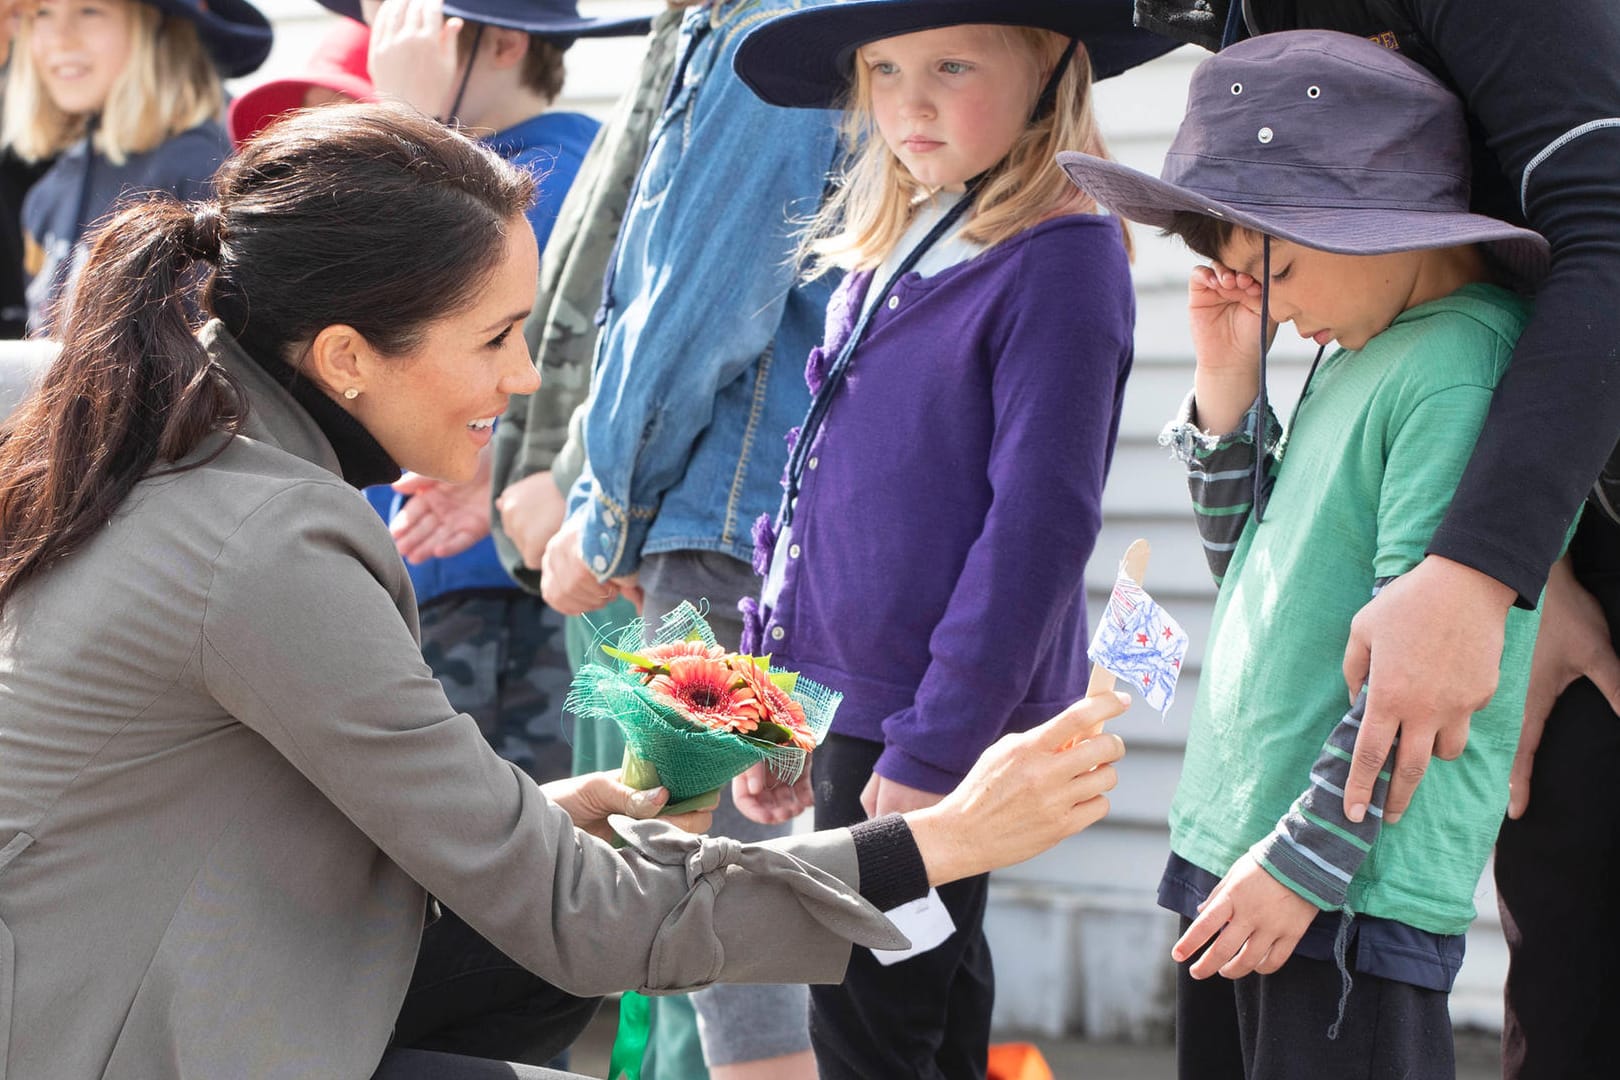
{"points": [[500, 656]]}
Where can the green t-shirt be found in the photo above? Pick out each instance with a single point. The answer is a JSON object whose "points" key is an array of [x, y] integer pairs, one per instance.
{"points": [[1366, 471]]}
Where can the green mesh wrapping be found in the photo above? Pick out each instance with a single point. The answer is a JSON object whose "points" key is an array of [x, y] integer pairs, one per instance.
{"points": [[691, 759]]}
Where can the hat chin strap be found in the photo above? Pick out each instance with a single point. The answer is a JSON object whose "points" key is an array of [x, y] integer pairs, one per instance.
{"points": [[1261, 424], [1048, 98], [472, 58]]}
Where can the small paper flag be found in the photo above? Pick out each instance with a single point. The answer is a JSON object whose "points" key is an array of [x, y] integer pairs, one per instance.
{"points": [[1140, 643]]}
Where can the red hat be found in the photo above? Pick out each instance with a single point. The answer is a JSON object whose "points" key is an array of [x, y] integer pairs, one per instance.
{"points": [[339, 64]]}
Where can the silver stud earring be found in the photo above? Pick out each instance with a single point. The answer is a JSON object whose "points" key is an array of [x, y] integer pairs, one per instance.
{"points": [[351, 393]]}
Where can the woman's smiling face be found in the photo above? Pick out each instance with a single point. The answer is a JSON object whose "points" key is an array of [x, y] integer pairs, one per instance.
{"points": [[433, 408]]}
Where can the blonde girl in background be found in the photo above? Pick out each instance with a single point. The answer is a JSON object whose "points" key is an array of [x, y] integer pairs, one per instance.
{"points": [[944, 493], [126, 95]]}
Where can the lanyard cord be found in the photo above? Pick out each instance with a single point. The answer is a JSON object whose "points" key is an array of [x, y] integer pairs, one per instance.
{"points": [[798, 460], [840, 367]]}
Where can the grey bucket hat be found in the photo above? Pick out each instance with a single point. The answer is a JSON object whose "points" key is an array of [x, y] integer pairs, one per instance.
{"points": [[1324, 139]]}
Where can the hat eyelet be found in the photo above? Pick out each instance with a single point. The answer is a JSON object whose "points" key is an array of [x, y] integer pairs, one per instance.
{"points": [[1314, 92], [1237, 88], [1266, 135]]}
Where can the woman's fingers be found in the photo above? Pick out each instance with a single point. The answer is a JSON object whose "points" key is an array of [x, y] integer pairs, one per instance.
{"points": [[1079, 720]]}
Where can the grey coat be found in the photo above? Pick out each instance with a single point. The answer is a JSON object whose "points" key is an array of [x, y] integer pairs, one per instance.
{"points": [[228, 782]]}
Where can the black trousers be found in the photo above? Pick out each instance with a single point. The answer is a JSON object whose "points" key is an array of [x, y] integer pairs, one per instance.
{"points": [[1275, 1027], [468, 998], [1556, 868], [926, 1017]]}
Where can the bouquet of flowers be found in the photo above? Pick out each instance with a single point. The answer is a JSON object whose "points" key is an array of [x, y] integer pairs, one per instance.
{"points": [[694, 715]]}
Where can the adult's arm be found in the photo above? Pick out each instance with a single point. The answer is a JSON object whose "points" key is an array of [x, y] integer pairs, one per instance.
{"points": [[341, 691], [1549, 108], [1054, 390]]}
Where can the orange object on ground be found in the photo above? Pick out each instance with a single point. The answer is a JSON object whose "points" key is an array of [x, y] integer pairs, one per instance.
{"points": [[1018, 1061]]}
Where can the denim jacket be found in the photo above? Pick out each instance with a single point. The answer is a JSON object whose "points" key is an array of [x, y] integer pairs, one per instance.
{"points": [[699, 366]]}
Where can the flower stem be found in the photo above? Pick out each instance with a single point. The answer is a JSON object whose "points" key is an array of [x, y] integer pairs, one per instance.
{"points": [[639, 773]]}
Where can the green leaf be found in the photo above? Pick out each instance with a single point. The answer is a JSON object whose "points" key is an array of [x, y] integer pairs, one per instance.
{"points": [[695, 634], [636, 660], [785, 681], [772, 732]]}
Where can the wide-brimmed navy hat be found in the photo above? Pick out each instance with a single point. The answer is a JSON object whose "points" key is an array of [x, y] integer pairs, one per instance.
{"points": [[805, 59], [1324, 139], [235, 34], [550, 18]]}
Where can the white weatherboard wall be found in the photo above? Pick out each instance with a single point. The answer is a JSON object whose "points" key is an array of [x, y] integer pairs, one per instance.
{"points": [[1080, 946]]}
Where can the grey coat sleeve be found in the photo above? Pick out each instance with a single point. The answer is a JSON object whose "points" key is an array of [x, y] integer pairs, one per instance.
{"points": [[305, 642]]}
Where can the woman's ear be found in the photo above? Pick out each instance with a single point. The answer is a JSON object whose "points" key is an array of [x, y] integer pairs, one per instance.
{"points": [[340, 361]]}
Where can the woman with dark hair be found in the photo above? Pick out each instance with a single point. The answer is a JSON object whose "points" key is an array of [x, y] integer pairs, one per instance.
{"points": [[230, 782]]}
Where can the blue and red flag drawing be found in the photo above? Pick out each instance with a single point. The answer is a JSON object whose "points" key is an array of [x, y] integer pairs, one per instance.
{"points": [[1140, 643]]}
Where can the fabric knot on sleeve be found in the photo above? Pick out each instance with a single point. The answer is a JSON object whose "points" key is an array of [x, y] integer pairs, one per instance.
{"points": [[687, 951]]}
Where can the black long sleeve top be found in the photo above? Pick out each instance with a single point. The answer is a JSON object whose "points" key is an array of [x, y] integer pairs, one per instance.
{"points": [[1541, 83]]}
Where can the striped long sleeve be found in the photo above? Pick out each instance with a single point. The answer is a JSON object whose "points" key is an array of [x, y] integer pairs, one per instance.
{"points": [[1315, 849], [1220, 476]]}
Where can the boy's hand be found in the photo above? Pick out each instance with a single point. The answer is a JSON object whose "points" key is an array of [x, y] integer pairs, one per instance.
{"points": [[882, 796], [1262, 918], [1223, 309], [412, 57], [761, 796]]}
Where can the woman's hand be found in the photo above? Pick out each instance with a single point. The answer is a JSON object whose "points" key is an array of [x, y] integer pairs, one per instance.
{"points": [[761, 796], [1259, 921], [1223, 307], [412, 57], [1026, 792], [532, 510], [590, 798]]}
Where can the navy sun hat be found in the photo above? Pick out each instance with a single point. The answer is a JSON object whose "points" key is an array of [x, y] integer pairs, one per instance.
{"points": [[1324, 139], [805, 58], [550, 18], [235, 34]]}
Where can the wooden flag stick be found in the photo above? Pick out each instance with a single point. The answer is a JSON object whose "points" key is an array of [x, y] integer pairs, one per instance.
{"points": [[1102, 680]]}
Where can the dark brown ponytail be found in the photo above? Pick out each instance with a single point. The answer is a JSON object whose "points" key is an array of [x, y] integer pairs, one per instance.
{"points": [[371, 216], [131, 389]]}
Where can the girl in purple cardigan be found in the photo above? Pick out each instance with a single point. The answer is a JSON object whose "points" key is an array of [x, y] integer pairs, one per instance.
{"points": [[944, 493]]}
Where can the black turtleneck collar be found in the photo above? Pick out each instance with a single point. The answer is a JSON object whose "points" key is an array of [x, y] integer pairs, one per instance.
{"points": [[362, 458]]}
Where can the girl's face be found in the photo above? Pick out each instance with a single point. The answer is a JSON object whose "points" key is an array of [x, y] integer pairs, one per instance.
{"points": [[951, 102], [79, 48], [434, 408]]}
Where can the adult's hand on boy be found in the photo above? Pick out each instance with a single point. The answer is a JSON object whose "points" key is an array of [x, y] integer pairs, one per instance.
{"points": [[1257, 918], [1428, 648], [1573, 642]]}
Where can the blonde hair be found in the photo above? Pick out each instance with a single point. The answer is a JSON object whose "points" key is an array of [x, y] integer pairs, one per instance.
{"points": [[868, 212], [168, 85]]}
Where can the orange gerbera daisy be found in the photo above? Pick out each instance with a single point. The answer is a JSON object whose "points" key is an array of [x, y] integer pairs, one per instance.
{"points": [[764, 701], [704, 689]]}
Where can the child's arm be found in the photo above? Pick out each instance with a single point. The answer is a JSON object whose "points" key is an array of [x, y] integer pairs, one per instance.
{"points": [[1266, 902], [1215, 433]]}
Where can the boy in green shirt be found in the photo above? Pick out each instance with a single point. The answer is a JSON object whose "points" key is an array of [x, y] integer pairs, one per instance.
{"points": [[1326, 178]]}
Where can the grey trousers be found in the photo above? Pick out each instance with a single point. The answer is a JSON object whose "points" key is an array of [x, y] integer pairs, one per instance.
{"points": [[735, 1023]]}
